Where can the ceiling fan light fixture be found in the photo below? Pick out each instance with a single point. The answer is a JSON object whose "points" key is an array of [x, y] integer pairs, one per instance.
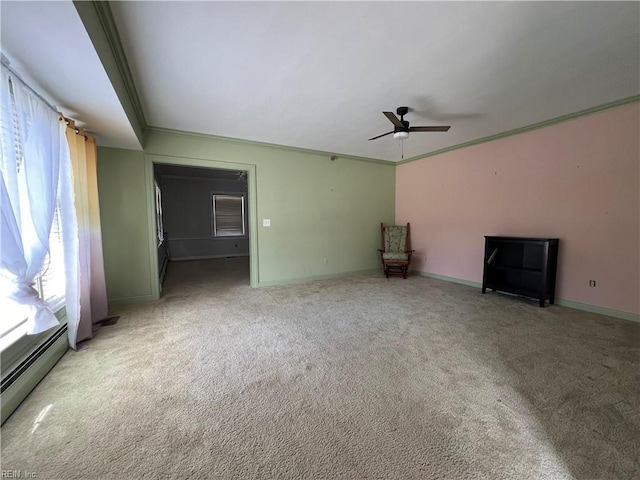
{"points": [[401, 135]]}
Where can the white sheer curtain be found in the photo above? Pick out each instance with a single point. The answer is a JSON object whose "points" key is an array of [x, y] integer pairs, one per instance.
{"points": [[33, 149], [71, 244], [47, 161]]}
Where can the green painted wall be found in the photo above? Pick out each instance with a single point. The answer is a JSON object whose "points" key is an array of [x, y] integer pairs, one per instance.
{"points": [[318, 208], [123, 214]]}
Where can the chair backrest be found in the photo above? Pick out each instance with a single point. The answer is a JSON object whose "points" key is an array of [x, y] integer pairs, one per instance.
{"points": [[394, 238]]}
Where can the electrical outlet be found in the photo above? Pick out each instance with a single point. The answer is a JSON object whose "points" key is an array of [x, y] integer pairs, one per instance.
{"points": [[325, 261], [592, 283]]}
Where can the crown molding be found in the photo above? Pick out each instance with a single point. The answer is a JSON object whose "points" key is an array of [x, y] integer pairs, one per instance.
{"points": [[100, 25], [252, 143], [528, 128]]}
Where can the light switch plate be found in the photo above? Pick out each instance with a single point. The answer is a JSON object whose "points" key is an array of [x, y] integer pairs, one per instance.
{"points": [[266, 222]]}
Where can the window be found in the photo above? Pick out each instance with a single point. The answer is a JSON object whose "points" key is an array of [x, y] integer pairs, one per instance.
{"points": [[228, 215], [50, 281], [50, 284], [159, 225]]}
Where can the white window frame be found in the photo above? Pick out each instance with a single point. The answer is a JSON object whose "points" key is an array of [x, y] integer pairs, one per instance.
{"points": [[219, 233]]}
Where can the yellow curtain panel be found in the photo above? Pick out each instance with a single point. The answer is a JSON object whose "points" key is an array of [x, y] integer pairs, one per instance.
{"points": [[91, 280]]}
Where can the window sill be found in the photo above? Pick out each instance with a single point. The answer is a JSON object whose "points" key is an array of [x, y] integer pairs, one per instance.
{"points": [[13, 336], [18, 328], [13, 353]]}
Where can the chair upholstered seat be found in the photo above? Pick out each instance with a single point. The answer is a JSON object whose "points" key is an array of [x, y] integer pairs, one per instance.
{"points": [[395, 256]]}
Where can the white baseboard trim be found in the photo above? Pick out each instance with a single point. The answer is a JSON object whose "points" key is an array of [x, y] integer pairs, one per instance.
{"points": [[609, 312], [559, 301], [291, 281], [207, 257], [461, 281], [129, 300]]}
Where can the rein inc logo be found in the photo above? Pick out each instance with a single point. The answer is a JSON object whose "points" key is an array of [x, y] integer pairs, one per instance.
{"points": [[17, 474]]}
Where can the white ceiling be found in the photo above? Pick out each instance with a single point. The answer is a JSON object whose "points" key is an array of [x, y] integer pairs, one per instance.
{"points": [[317, 75], [48, 45]]}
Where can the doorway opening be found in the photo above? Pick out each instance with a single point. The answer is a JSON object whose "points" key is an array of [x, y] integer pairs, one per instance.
{"points": [[202, 227]]}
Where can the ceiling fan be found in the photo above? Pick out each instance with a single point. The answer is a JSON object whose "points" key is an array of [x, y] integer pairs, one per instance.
{"points": [[401, 126]]}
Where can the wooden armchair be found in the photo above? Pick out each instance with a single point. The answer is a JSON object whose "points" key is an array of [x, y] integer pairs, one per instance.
{"points": [[396, 249]]}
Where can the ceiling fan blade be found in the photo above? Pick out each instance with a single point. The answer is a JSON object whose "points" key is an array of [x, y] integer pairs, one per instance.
{"points": [[395, 120], [388, 133], [430, 129]]}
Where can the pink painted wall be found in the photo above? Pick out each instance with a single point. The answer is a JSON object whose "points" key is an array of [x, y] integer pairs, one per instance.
{"points": [[578, 180]]}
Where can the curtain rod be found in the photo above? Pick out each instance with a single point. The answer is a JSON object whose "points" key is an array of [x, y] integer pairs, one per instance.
{"points": [[16, 75]]}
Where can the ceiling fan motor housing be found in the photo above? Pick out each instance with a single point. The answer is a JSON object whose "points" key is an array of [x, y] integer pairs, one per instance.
{"points": [[402, 111], [405, 129]]}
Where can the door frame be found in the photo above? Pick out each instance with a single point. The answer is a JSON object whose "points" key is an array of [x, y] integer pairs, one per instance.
{"points": [[250, 169]]}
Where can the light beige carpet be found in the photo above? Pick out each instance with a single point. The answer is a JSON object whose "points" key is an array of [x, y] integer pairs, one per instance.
{"points": [[357, 378]]}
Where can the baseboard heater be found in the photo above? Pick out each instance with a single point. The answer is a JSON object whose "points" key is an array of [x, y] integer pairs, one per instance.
{"points": [[32, 358]]}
